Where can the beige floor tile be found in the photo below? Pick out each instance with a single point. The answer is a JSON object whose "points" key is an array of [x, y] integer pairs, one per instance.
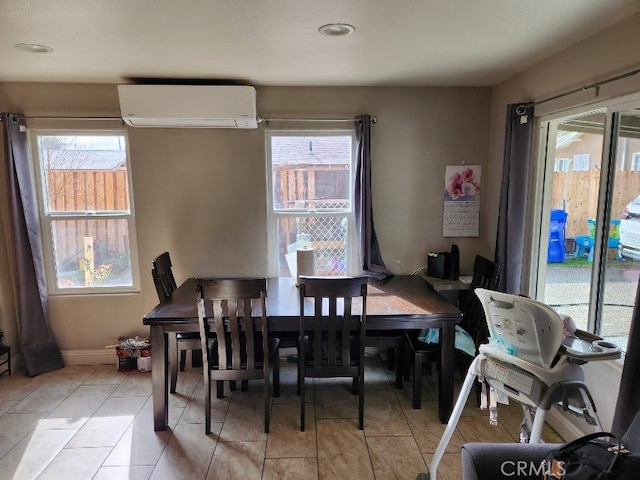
{"points": [[106, 375], [75, 464], [136, 472], [188, 454], [428, 430], [395, 457], [74, 411], [449, 468], [33, 453], [237, 460], [245, 418], [108, 424], [342, 450], [383, 415], [49, 394], [140, 444], [136, 384], [194, 411], [14, 427], [6, 405], [335, 400], [478, 429], [285, 437], [290, 469]]}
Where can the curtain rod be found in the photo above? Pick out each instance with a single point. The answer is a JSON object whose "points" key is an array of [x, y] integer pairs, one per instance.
{"points": [[595, 85], [27, 117], [260, 119], [332, 120]]}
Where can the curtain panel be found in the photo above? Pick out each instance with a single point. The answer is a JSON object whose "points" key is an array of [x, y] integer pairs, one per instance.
{"points": [[370, 258], [628, 403], [40, 352], [510, 238]]}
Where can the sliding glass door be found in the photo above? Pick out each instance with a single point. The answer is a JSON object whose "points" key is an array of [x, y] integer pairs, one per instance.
{"points": [[589, 259]]}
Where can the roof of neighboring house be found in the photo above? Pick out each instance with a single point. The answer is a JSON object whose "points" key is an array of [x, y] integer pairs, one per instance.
{"points": [[304, 150], [87, 160]]}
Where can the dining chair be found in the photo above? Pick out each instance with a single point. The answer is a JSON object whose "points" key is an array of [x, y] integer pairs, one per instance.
{"points": [[332, 333], [179, 343], [235, 339], [424, 346]]}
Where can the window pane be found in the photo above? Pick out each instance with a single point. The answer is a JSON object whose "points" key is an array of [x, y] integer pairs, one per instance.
{"points": [[84, 173], [623, 259], [574, 195], [326, 234], [311, 172], [92, 253], [569, 287], [311, 187]]}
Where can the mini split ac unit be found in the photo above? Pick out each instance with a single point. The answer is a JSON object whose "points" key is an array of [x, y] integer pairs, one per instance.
{"points": [[188, 106]]}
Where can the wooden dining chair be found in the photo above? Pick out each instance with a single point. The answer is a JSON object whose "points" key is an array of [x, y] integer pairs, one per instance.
{"points": [[332, 333], [235, 339], [179, 343], [486, 274]]}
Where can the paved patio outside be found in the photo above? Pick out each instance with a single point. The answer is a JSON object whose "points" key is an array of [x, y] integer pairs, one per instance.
{"points": [[567, 290]]}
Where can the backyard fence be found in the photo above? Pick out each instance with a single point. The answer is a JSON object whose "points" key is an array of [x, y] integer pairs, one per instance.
{"points": [[87, 191], [577, 194]]}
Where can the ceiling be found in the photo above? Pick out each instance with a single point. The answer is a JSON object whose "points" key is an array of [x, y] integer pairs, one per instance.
{"points": [[276, 42]]}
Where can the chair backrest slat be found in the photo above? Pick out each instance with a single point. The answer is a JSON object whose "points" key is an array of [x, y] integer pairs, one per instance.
{"points": [[333, 319], [237, 304]]}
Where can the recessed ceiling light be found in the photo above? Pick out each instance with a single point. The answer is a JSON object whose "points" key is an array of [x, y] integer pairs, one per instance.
{"points": [[33, 48], [337, 29]]}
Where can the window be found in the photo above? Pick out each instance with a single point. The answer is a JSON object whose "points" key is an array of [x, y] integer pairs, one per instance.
{"points": [[561, 165], [594, 277], [581, 162], [311, 199], [86, 210], [635, 162]]}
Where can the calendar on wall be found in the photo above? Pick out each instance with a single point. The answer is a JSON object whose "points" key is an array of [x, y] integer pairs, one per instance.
{"points": [[461, 213]]}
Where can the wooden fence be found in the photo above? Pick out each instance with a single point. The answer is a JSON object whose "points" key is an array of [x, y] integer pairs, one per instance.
{"points": [[89, 190], [577, 194]]}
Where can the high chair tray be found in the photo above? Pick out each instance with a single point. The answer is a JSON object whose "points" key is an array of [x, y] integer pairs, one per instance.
{"points": [[589, 347]]}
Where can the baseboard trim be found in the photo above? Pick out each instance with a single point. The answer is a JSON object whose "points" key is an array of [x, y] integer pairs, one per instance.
{"points": [[90, 357]]}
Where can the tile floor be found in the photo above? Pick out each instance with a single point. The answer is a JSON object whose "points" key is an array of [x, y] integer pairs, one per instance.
{"points": [[93, 422]]}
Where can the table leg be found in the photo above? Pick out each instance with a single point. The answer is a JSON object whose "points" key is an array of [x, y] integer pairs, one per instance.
{"points": [[159, 384], [447, 371]]}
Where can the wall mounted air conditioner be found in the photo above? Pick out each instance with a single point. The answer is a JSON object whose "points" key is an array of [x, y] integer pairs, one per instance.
{"points": [[188, 106]]}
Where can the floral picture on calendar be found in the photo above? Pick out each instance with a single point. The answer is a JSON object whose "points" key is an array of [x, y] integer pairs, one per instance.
{"points": [[462, 183], [461, 215]]}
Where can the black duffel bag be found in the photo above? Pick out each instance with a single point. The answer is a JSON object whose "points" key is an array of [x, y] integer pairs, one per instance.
{"points": [[592, 458]]}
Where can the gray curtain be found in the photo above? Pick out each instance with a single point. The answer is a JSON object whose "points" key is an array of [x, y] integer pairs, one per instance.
{"points": [[370, 258], [513, 196], [628, 403], [40, 352]]}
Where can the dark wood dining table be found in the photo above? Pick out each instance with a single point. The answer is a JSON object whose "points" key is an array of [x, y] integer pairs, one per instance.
{"points": [[401, 302]]}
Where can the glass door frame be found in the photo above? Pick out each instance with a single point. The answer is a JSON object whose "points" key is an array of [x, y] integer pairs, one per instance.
{"points": [[540, 199]]}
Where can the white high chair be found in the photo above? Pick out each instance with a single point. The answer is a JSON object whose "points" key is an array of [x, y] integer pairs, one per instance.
{"points": [[528, 359]]}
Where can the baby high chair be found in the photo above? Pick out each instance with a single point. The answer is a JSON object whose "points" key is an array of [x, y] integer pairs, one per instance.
{"points": [[531, 360]]}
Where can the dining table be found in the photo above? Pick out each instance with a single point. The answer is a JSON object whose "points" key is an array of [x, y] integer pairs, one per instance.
{"points": [[400, 302]]}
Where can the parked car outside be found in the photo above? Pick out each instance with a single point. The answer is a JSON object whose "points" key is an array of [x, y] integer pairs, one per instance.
{"points": [[629, 246]]}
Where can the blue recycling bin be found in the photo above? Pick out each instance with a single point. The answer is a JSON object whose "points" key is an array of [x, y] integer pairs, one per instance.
{"points": [[557, 225]]}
